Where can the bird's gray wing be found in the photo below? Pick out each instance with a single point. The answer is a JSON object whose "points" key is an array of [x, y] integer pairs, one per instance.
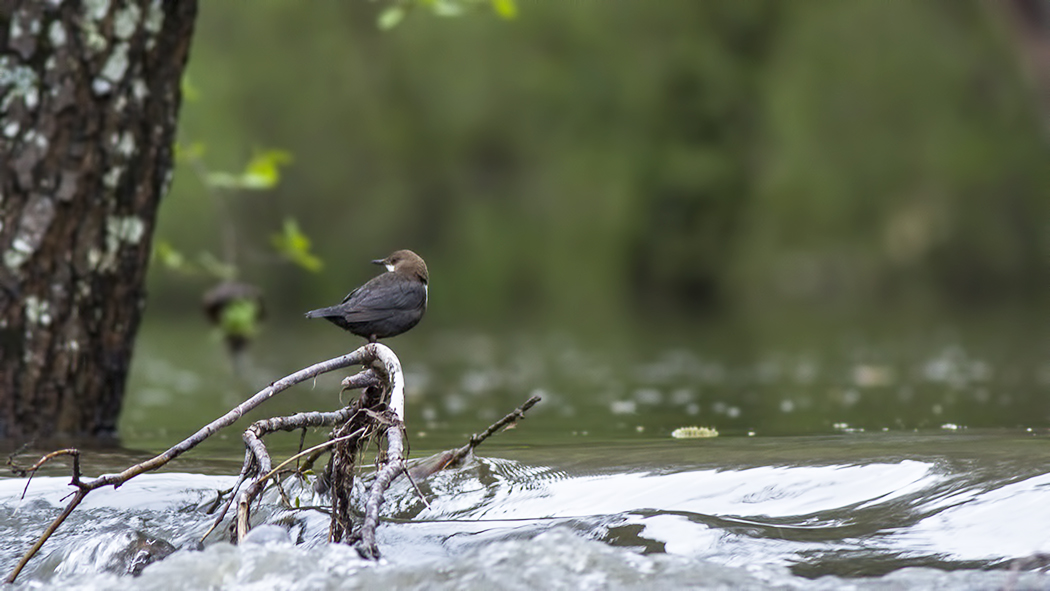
{"points": [[383, 296], [350, 295]]}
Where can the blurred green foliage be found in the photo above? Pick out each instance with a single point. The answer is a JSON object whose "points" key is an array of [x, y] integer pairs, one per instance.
{"points": [[295, 246], [397, 10], [240, 318], [261, 172], [602, 160]]}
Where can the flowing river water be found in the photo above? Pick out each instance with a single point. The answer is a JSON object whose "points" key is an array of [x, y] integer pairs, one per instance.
{"points": [[886, 458]]}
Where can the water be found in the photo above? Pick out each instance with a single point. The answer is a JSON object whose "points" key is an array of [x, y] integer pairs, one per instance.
{"points": [[884, 511], [792, 376], [878, 458]]}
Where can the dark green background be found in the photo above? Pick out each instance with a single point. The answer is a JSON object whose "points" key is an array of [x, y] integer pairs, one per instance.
{"points": [[768, 216], [599, 160]]}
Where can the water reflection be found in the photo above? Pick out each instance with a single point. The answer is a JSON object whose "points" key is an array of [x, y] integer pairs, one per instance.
{"points": [[739, 379]]}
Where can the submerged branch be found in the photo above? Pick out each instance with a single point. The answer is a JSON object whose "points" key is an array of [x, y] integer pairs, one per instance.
{"points": [[454, 457], [475, 440], [379, 409], [367, 354]]}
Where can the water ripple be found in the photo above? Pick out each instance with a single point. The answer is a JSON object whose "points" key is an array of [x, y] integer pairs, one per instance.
{"points": [[873, 515]]}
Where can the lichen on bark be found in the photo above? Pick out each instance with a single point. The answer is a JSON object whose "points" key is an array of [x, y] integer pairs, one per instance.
{"points": [[89, 96]]}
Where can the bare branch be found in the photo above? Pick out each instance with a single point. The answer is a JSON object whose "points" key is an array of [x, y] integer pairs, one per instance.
{"points": [[475, 440], [380, 407], [79, 496], [363, 355], [393, 466]]}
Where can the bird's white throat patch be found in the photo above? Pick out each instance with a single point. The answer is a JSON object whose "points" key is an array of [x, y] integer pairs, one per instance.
{"points": [[389, 267]]}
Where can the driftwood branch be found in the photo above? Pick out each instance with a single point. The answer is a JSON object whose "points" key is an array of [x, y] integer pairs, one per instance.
{"points": [[505, 422], [378, 410], [257, 458], [391, 467], [453, 457], [382, 403], [381, 406], [365, 355]]}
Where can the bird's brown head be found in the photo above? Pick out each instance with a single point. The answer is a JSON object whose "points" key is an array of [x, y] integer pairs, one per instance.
{"points": [[407, 262]]}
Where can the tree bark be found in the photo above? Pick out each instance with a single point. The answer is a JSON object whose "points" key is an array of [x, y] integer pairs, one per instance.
{"points": [[89, 96]]}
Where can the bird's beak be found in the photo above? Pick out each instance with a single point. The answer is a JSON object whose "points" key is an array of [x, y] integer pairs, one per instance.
{"points": [[379, 262]]}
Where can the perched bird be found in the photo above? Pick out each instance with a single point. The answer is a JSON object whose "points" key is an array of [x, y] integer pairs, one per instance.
{"points": [[386, 306]]}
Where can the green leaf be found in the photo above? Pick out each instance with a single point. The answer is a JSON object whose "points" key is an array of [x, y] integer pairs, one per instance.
{"points": [[391, 17], [262, 172], [186, 153], [507, 9], [295, 246], [240, 317], [445, 7], [172, 259]]}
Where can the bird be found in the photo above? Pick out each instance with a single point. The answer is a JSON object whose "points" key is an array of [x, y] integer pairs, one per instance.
{"points": [[388, 304]]}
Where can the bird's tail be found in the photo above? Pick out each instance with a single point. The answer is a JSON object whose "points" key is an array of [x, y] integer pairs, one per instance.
{"points": [[319, 313]]}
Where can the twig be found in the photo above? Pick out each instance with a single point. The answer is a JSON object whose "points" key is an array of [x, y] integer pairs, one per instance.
{"points": [[246, 469], [412, 481], [319, 446], [475, 440], [31, 470], [453, 457], [18, 470], [79, 496]]}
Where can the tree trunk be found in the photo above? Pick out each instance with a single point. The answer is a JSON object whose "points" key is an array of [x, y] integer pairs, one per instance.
{"points": [[89, 94]]}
